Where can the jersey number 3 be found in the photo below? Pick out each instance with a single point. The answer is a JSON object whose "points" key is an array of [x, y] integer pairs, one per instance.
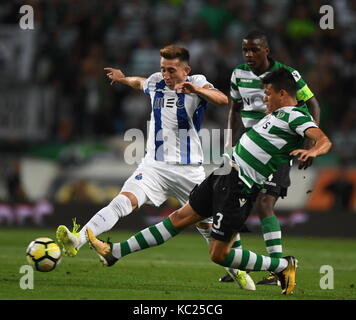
{"points": [[218, 222]]}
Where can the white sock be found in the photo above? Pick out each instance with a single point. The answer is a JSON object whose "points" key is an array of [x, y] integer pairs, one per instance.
{"points": [[107, 217]]}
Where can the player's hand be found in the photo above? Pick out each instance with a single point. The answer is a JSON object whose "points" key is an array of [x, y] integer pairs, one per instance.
{"points": [[114, 75], [186, 87], [303, 154], [305, 164]]}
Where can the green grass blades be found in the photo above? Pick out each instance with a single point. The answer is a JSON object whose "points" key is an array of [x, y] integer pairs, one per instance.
{"points": [[177, 270]]}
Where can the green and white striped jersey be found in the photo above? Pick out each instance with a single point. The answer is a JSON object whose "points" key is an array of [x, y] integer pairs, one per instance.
{"points": [[265, 146], [246, 88]]}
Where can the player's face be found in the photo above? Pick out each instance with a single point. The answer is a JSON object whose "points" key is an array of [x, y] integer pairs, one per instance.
{"points": [[272, 98], [174, 71], [255, 53]]}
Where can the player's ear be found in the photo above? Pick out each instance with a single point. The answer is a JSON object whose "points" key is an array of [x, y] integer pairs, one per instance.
{"points": [[283, 93], [187, 69]]}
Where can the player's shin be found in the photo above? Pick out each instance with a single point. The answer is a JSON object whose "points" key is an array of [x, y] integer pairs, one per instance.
{"points": [[149, 237], [107, 217]]}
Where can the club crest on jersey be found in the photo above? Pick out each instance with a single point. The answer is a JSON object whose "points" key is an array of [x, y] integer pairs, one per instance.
{"points": [[180, 103], [280, 114], [139, 176]]}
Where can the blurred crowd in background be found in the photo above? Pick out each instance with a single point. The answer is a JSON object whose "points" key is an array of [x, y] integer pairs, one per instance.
{"points": [[76, 39]]}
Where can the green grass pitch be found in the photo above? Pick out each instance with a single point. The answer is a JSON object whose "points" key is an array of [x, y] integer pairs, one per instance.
{"points": [[177, 270]]}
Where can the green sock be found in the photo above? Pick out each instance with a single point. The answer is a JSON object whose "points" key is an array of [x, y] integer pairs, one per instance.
{"points": [[149, 237], [247, 260], [272, 235], [237, 243]]}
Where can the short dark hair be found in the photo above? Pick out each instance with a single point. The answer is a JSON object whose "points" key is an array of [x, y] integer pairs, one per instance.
{"points": [[281, 79], [258, 34], [175, 52]]}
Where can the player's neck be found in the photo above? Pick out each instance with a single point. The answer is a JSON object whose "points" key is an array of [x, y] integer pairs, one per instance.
{"points": [[288, 102], [263, 68]]}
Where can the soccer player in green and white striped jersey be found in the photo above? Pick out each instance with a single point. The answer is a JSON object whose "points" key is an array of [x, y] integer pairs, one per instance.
{"points": [[229, 196], [247, 107]]}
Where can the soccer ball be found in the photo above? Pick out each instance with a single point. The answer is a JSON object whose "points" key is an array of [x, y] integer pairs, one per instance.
{"points": [[44, 254]]}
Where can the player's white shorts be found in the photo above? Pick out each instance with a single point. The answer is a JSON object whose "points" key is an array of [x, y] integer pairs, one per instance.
{"points": [[159, 180]]}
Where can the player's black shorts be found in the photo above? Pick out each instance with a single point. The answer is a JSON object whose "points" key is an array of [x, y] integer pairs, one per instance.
{"points": [[224, 198], [279, 183]]}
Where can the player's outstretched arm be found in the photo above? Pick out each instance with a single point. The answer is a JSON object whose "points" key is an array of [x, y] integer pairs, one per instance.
{"points": [[322, 145], [212, 95], [314, 109], [116, 75]]}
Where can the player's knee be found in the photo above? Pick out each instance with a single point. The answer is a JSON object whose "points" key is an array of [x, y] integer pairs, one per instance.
{"points": [[264, 205], [184, 217], [180, 219], [265, 212], [123, 205], [132, 198], [218, 256]]}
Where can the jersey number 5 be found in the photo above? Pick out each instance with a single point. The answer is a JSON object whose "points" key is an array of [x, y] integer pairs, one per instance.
{"points": [[265, 126]]}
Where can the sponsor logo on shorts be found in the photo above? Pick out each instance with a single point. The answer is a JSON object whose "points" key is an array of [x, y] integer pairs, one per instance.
{"points": [[139, 176], [242, 201], [270, 183]]}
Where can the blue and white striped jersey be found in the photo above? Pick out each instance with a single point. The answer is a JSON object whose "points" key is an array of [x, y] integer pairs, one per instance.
{"points": [[175, 122]]}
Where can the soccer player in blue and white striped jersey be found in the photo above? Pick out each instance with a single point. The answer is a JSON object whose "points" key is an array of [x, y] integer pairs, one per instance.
{"points": [[172, 165]]}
